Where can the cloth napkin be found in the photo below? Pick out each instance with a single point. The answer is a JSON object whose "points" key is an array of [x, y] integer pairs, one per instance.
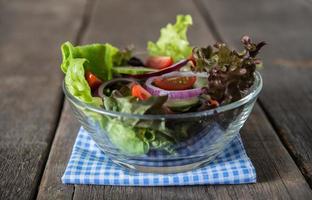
{"points": [[89, 165]]}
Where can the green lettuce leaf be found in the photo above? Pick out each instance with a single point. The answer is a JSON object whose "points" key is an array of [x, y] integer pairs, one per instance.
{"points": [[173, 41], [129, 104], [100, 58], [162, 142], [132, 135], [120, 134], [76, 83], [125, 138]]}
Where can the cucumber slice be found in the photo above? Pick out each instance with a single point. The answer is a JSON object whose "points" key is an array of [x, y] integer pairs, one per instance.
{"points": [[133, 70], [182, 103], [201, 82]]}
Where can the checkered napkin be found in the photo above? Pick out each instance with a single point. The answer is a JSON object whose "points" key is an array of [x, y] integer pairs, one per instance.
{"points": [[89, 165]]}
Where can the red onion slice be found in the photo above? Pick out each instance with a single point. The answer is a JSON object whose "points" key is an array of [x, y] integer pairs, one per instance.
{"points": [[172, 94], [107, 83]]}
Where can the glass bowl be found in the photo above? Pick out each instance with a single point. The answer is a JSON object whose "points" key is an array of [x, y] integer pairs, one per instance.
{"points": [[165, 143]]}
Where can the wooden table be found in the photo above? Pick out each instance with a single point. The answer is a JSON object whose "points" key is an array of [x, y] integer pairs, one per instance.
{"points": [[37, 128]]}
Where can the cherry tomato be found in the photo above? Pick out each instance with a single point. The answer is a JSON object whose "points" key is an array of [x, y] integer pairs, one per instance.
{"points": [[138, 91], [175, 82], [213, 103], [159, 62], [93, 81]]}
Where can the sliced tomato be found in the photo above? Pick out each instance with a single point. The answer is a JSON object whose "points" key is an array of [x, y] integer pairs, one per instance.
{"points": [[159, 62], [93, 81], [175, 82], [138, 91]]}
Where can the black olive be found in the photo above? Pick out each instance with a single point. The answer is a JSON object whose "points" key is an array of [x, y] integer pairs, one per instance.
{"points": [[134, 61]]}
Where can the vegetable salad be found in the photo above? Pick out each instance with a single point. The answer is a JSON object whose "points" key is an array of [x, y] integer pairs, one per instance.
{"points": [[175, 78]]}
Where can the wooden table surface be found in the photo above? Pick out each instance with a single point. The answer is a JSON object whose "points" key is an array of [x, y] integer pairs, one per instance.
{"points": [[37, 128]]}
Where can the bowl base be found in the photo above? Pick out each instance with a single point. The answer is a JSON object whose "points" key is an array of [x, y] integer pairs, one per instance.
{"points": [[163, 170]]}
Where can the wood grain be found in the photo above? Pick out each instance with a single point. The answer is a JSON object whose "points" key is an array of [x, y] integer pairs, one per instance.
{"points": [[30, 36], [51, 186], [286, 96], [122, 23], [278, 176]]}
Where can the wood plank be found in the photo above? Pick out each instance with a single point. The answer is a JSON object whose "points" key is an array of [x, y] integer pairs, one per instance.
{"points": [[140, 21], [51, 186], [30, 92], [286, 96]]}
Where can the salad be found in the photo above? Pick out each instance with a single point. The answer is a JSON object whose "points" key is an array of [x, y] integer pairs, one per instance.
{"points": [[173, 78]]}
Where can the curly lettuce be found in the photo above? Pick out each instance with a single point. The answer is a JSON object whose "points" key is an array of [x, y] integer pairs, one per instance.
{"points": [[100, 58], [76, 83], [125, 138], [96, 58], [173, 40]]}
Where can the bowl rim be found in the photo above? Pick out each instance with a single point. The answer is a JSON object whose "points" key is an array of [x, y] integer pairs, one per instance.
{"points": [[252, 94]]}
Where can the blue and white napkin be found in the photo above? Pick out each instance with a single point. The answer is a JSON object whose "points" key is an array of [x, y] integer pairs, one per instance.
{"points": [[89, 165]]}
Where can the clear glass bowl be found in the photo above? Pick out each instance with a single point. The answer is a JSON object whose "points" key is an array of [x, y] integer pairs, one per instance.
{"points": [[195, 138]]}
